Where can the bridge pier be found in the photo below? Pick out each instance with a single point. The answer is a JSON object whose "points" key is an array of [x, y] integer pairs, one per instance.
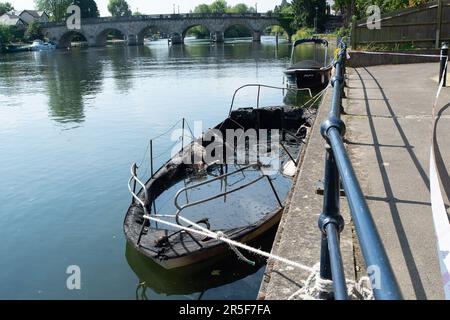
{"points": [[257, 36], [217, 37], [176, 39], [132, 40]]}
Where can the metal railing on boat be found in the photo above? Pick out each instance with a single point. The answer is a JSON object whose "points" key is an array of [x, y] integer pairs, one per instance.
{"points": [[219, 195], [144, 203], [338, 169], [259, 86]]}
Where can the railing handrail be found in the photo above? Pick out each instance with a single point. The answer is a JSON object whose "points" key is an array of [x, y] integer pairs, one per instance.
{"points": [[135, 178], [339, 168], [259, 86], [246, 185]]}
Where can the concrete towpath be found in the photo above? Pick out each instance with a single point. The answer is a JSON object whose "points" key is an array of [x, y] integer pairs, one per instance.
{"points": [[388, 139]]}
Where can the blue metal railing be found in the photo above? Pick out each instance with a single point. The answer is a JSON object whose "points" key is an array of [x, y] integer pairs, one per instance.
{"points": [[338, 168]]}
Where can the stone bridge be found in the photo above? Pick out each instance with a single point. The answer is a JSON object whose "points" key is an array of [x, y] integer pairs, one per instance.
{"points": [[135, 28]]}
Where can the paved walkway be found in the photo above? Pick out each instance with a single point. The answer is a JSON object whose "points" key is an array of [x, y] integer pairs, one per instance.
{"points": [[388, 138]]}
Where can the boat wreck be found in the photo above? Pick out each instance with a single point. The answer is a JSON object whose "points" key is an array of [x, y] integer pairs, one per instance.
{"points": [[242, 200]]}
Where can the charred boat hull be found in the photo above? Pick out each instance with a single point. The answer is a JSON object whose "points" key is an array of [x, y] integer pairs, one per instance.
{"points": [[173, 249]]}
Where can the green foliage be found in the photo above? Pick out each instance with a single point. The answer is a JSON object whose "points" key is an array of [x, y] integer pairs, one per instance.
{"points": [[218, 6], [303, 33], [137, 13], [202, 8], [88, 8], [241, 8], [119, 8], [358, 8], [33, 31], [221, 6], [305, 12], [11, 34], [237, 32], [5, 35], [5, 7], [343, 32], [56, 9], [200, 32]]}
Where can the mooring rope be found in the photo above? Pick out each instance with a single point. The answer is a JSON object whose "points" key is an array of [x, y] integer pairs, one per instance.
{"points": [[313, 287], [217, 236]]}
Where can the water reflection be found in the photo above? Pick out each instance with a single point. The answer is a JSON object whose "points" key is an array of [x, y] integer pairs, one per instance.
{"points": [[120, 104], [70, 79], [193, 282], [122, 61]]}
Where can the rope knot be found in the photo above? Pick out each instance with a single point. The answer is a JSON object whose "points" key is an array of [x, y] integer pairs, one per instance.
{"points": [[220, 235]]}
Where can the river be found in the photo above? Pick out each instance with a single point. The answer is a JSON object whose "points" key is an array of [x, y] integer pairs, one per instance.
{"points": [[72, 122]]}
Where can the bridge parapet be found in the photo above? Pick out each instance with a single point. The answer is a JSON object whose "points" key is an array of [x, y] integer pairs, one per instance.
{"points": [[183, 16]]}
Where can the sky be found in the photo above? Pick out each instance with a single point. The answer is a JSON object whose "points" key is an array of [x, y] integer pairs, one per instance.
{"points": [[159, 6]]}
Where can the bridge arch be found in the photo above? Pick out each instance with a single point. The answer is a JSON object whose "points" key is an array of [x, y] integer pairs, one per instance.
{"points": [[239, 30], [276, 29], [66, 39], [203, 31], [101, 38], [151, 30]]}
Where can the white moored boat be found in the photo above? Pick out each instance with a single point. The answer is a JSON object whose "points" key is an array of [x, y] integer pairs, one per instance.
{"points": [[39, 45]]}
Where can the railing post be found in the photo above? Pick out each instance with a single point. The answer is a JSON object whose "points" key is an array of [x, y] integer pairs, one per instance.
{"points": [[444, 65], [182, 135], [151, 158], [331, 223]]}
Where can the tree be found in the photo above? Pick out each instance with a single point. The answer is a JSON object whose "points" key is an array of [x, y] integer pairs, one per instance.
{"points": [[5, 7], [358, 8], [202, 8], [5, 35], [57, 9], [33, 31], [88, 8], [119, 8], [305, 13], [218, 6], [239, 8]]}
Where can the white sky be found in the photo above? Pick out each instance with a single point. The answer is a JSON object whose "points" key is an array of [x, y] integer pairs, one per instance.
{"points": [[159, 6]]}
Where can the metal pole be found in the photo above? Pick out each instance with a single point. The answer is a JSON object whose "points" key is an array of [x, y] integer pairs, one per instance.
{"points": [[257, 100], [444, 66], [439, 23], [152, 173], [337, 267], [316, 21], [182, 136], [330, 260], [151, 157], [274, 191]]}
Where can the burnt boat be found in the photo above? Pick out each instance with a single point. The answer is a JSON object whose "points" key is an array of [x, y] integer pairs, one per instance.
{"points": [[213, 273], [309, 73], [241, 199]]}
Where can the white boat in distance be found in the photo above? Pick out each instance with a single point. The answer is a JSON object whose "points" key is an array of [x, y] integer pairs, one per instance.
{"points": [[39, 45]]}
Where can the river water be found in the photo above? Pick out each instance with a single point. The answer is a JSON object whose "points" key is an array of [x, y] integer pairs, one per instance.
{"points": [[71, 124]]}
